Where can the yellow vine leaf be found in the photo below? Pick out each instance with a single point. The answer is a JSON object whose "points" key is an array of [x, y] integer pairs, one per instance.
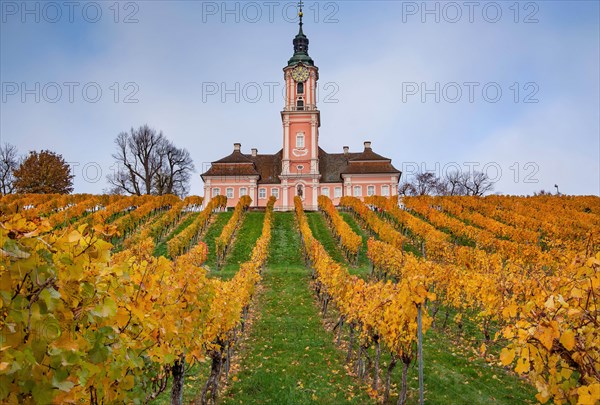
{"points": [[507, 356], [567, 339], [522, 366], [588, 395]]}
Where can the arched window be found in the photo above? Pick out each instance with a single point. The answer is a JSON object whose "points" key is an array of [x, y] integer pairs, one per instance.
{"points": [[300, 88], [300, 191]]}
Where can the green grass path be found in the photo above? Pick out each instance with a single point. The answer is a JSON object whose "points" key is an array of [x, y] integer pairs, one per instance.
{"points": [[363, 267], [245, 240], [320, 230], [287, 356], [161, 248], [453, 375], [212, 233]]}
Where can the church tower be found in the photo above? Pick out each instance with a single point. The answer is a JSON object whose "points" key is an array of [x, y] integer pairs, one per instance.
{"points": [[300, 168], [301, 121]]}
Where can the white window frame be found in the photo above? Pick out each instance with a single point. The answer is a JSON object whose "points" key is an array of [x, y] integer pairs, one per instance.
{"points": [[262, 193], [385, 191], [370, 190], [243, 191], [216, 191], [229, 192], [325, 191], [337, 192], [300, 140], [355, 189], [275, 192]]}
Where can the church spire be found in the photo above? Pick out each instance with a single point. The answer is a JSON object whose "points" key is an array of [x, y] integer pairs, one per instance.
{"points": [[300, 44], [300, 15]]}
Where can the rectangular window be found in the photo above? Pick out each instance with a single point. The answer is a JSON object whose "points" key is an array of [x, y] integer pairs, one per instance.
{"points": [[216, 191], [357, 191], [325, 191], [243, 191], [300, 140], [385, 191], [275, 192], [337, 193], [370, 190], [262, 193], [229, 192]]}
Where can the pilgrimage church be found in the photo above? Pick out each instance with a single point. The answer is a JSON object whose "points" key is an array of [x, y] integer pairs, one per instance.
{"points": [[301, 167]]}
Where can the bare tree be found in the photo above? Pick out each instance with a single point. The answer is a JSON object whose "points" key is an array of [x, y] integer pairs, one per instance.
{"points": [[423, 183], [453, 183], [406, 189], [175, 172], [9, 161], [478, 184], [148, 163]]}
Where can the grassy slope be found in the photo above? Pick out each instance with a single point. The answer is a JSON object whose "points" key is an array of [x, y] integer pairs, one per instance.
{"points": [[161, 248], [288, 358], [321, 231], [250, 231], [454, 375], [212, 233], [241, 251], [363, 266]]}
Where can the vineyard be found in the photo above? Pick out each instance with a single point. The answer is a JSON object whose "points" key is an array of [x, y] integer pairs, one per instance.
{"points": [[114, 299]]}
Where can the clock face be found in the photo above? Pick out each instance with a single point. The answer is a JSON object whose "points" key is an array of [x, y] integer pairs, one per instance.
{"points": [[300, 74]]}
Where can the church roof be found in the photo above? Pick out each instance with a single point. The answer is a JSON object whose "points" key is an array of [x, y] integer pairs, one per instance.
{"points": [[266, 167], [331, 165], [231, 169], [269, 167], [368, 155], [364, 167], [235, 157]]}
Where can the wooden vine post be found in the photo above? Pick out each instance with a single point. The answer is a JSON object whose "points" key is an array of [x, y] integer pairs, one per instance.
{"points": [[420, 352]]}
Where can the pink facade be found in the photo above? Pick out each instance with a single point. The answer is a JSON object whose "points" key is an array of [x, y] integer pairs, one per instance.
{"points": [[301, 167]]}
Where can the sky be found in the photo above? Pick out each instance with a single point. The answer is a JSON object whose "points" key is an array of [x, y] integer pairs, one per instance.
{"points": [[510, 88]]}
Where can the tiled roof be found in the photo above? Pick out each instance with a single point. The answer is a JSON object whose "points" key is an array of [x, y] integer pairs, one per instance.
{"points": [[235, 157], [368, 155], [373, 167], [331, 165], [231, 169], [269, 167]]}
